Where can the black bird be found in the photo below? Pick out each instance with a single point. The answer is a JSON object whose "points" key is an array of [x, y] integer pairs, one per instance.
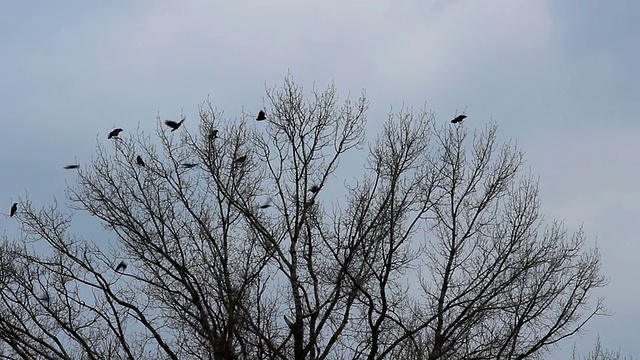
{"points": [[188, 165], [140, 161], [14, 208], [266, 205], [114, 133], [240, 160], [314, 189], [122, 266], [261, 116], [173, 125], [213, 134], [68, 167], [458, 119]]}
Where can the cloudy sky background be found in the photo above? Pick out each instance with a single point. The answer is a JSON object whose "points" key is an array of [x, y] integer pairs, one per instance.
{"points": [[562, 78]]}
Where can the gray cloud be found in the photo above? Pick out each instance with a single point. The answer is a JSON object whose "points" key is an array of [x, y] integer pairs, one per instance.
{"points": [[561, 78]]}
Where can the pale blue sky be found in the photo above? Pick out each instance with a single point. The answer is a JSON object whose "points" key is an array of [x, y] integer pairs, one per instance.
{"points": [[561, 77]]}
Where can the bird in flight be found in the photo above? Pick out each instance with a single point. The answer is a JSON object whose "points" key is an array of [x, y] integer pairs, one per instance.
{"points": [[314, 189], [14, 208], [114, 133], [458, 119], [261, 116], [266, 205], [173, 125], [68, 167], [189, 165], [240, 160], [121, 266], [140, 161]]}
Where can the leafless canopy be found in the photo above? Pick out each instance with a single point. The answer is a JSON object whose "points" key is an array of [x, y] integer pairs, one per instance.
{"points": [[437, 250]]}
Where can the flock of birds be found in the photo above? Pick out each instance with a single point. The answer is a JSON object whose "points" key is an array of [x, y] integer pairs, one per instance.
{"points": [[212, 135]]}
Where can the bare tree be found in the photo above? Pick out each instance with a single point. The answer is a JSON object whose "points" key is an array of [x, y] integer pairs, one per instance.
{"points": [[256, 250], [599, 353]]}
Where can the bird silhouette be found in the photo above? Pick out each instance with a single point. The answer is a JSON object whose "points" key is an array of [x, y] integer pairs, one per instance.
{"points": [[121, 266], [114, 133], [314, 189], [240, 160], [14, 208], [213, 134], [458, 119], [140, 161], [266, 205], [261, 116], [68, 167], [188, 165], [173, 125]]}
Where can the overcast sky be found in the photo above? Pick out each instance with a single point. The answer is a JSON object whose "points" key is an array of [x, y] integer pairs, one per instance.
{"points": [[561, 77]]}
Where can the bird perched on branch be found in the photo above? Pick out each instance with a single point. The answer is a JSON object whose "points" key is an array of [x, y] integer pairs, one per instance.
{"points": [[174, 125], [189, 165], [240, 160], [140, 161], [458, 119], [213, 134], [121, 266], [68, 167], [14, 208], [114, 133], [261, 116], [314, 189]]}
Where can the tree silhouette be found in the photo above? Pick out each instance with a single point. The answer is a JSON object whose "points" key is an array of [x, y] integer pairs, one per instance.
{"points": [[600, 353], [437, 251]]}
